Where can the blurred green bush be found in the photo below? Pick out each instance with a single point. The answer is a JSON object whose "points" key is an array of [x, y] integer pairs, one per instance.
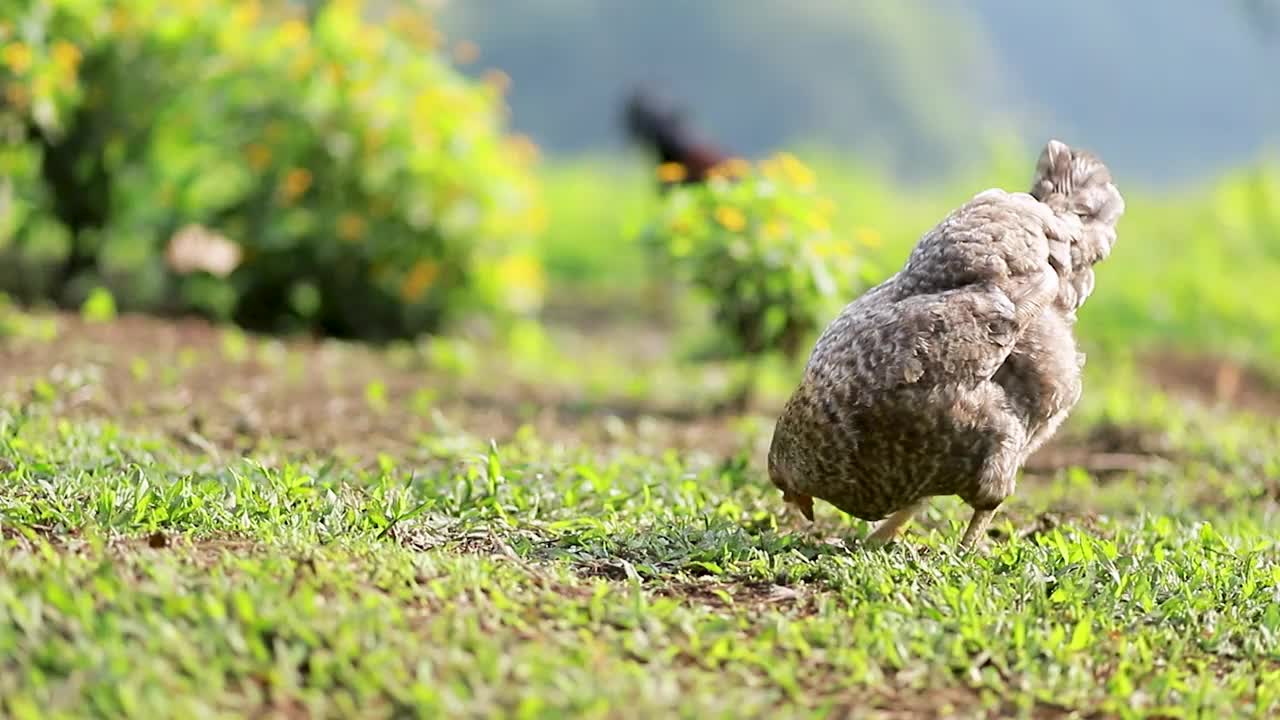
{"points": [[283, 167], [756, 242]]}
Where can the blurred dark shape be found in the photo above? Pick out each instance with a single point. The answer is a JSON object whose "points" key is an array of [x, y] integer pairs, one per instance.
{"points": [[656, 122], [72, 165]]}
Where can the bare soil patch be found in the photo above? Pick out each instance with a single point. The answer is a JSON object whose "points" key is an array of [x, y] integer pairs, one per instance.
{"points": [[305, 395], [1214, 381]]}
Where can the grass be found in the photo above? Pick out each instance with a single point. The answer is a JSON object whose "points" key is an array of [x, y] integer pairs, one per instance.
{"points": [[581, 568], [521, 580], [199, 523]]}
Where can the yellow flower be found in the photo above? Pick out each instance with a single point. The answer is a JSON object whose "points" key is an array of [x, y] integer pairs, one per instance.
{"points": [[371, 40], [245, 13], [259, 156], [796, 172], [295, 183], [523, 148], [293, 33], [817, 221], [414, 27], [671, 172], [424, 104], [868, 236], [522, 281], [351, 227], [771, 168], [739, 166], [833, 247], [119, 19], [419, 280], [775, 229], [731, 218], [66, 56], [17, 56], [362, 89], [734, 167]]}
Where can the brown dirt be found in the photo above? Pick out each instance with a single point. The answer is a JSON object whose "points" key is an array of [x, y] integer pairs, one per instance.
{"points": [[1215, 381], [1105, 450], [308, 396]]}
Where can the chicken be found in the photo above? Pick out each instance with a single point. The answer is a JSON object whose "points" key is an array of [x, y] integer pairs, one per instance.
{"points": [[945, 377], [655, 122]]}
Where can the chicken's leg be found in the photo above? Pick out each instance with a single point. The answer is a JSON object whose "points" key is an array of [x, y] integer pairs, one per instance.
{"points": [[998, 475], [889, 527], [977, 528]]}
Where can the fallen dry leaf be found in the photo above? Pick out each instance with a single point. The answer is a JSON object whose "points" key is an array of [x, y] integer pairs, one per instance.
{"points": [[195, 248]]}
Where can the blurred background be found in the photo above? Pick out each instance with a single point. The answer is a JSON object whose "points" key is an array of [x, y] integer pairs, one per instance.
{"points": [[723, 173], [1168, 92]]}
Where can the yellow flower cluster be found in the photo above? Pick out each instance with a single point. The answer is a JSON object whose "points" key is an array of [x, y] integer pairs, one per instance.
{"points": [[522, 281], [870, 237], [672, 172], [390, 104], [785, 167], [414, 27], [775, 229], [293, 33], [833, 247], [17, 57], [296, 182], [66, 56], [731, 218], [351, 227], [245, 14], [420, 279]]}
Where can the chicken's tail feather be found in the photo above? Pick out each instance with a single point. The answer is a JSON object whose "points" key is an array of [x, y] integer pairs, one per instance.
{"points": [[1075, 182]]}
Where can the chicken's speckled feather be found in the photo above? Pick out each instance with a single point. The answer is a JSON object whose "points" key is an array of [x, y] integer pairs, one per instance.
{"points": [[944, 378]]}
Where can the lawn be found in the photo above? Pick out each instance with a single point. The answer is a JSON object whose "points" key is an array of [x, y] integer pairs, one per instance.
{"points": [[203, 523]]}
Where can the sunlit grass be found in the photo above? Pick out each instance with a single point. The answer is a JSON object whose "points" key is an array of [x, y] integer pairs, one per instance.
{"points": [[139, 579]]}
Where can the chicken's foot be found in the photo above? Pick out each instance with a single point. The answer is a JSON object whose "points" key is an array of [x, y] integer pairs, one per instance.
{"points": [[889, 527], [977, 528]]}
